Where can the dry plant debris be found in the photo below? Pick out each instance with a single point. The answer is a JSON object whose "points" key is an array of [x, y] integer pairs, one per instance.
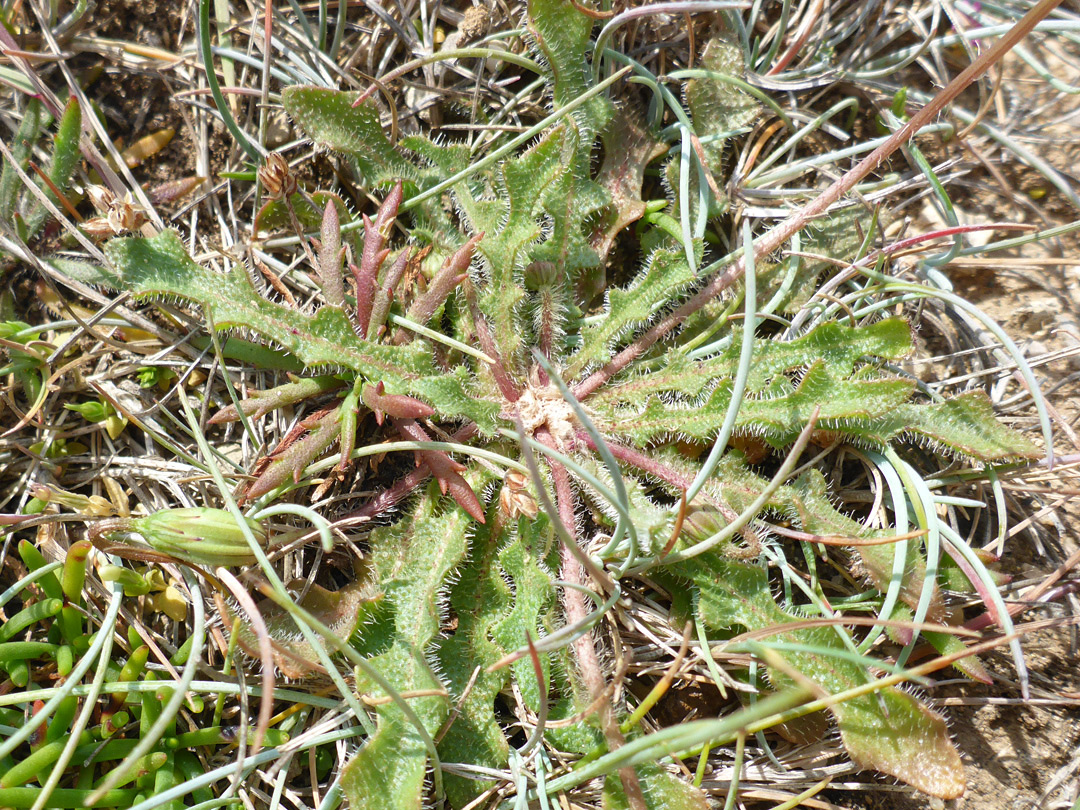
{"points": [[527, 405]]}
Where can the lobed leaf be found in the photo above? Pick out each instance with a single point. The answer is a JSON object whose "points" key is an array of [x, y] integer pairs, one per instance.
{"points": [[889, 731], [342, 611], [665, 275], [561, 34], [161, 267], [717, 107], [497, 602], [510, 224], [329, 118], [966, 425], [777, 416], [571, 203], [412, 561], [808, 497], [628, 149], [839, 347], [805, 503]]}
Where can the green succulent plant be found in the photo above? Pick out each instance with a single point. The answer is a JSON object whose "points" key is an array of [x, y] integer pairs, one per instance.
{"points": [[570, 412]]}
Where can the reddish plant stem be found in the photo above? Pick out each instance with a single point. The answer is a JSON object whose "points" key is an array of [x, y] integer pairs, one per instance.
{"points": [[373, 256], [772, 240], [454, 271], [641, 461], [912, 241], [399, 406], [446, 471], [383, 297], [365, 276], [1029, 598], [400, 489], [389, 497], [973, 577], [801, 35], [487, 343], [547, 326], [576, 611]]}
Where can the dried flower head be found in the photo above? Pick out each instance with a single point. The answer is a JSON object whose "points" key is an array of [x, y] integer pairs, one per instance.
{"points": [[277, 178], [119, 215], [474, 23], [515, 499]]}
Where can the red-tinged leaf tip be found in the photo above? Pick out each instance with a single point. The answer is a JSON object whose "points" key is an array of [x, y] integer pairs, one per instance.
{"points": [[389, 208], [463, 494], [227, 414], [396, 405], [974, 669]]}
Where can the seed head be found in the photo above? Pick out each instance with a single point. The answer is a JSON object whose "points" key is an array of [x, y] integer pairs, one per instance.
{"points": [[515, 499], [277, 178], [118, 215]]}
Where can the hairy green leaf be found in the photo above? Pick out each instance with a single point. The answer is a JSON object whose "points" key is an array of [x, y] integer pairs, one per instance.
{"points": [[662, 791], [412, 561], [561, 33], [34, 119], [966, 425], [509, 222], [329, 118], [839, 347], [777, 416], [805, 503], [342, 611], [717, 107], [889, 730], [65, 157], [498, 602], [161, 267], [666, 274]]}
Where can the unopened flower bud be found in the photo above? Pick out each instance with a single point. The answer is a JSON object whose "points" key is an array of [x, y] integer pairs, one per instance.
{"points": [[703, 520], [200, 535]]}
